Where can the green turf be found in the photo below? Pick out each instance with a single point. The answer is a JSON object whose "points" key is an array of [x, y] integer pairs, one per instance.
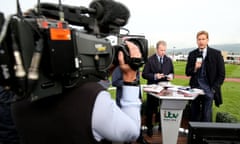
{"points": [[232, 71], [231, 100], [179, 68]]}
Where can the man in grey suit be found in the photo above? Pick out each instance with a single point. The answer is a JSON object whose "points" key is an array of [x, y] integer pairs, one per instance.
{"points": [[206, 68]]}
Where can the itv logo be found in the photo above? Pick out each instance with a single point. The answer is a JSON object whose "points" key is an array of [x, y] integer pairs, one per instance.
{"points": [[169, 115]]}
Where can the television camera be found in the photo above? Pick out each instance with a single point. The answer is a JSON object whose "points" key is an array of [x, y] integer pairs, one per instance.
{"points": [[54, 47]]}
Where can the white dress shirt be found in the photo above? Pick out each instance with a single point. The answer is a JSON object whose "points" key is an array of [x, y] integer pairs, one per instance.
{"points": [[114, 123], [204, 53]]}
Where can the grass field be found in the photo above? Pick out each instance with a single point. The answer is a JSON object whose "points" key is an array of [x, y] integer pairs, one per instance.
{"points": [[232, 71], [230, 90]]}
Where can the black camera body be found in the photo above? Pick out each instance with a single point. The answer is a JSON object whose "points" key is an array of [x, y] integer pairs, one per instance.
{"points": [[41, 56]]}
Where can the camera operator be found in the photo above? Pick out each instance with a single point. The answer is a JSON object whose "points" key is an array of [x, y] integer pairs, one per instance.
{"points": [[85, 114], [8, 133]]}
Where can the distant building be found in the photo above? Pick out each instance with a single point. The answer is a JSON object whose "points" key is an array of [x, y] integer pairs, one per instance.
{"points": [[234, 59], [228, 57], [181, 57]]}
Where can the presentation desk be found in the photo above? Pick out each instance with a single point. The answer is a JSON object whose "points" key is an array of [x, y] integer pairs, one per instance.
{"points": [[172, 104]]}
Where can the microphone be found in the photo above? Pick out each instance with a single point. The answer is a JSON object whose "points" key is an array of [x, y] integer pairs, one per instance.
{"points": [[200, 57], [33, 69], [19, 68], [105, 15], [33, 73], [111, 15], [110, 12]]}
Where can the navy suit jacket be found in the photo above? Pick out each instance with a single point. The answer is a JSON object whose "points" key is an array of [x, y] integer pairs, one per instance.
{"points": [[215, 71], [153, 66]]}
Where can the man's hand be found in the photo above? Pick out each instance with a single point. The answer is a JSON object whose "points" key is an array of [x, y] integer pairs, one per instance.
{"points": [[129, 74], [197, 66], [170, 77], [159, 75]]}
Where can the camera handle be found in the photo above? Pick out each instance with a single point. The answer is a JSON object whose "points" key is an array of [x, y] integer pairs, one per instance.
{"points": [[134, 63]]}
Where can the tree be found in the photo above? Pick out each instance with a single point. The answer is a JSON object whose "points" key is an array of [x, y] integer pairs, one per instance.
{"points": [[151, 50]]}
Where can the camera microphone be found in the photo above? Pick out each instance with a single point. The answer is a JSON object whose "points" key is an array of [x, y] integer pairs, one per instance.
{"points": [[33, 69], [106, 16], [111, 15], [19, 68], [110, 12]]}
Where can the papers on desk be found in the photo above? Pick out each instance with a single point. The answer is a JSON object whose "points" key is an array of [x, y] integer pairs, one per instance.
{"points": [[153, 88], [172, 90], [187, 91], [198, 91]]}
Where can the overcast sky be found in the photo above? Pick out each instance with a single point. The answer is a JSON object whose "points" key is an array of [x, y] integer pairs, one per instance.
{"points": [[176, 21]]}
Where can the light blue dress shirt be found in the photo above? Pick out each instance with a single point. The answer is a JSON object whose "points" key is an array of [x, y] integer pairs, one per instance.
{"points": [[114, 123]]}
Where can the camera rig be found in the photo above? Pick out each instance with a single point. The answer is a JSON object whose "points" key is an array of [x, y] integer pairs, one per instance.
{"points": [[46, 50]]}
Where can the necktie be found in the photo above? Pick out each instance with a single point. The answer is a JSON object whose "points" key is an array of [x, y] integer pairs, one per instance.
{"points": [[201, 54], [161, 60]]}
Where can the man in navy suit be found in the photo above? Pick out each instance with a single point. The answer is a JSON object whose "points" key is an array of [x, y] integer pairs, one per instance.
{"points": [[206, 68], [158, 68]]}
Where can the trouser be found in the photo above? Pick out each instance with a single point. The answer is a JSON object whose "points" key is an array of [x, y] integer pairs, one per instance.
{"points": [[201, 108], [151, 108]]}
